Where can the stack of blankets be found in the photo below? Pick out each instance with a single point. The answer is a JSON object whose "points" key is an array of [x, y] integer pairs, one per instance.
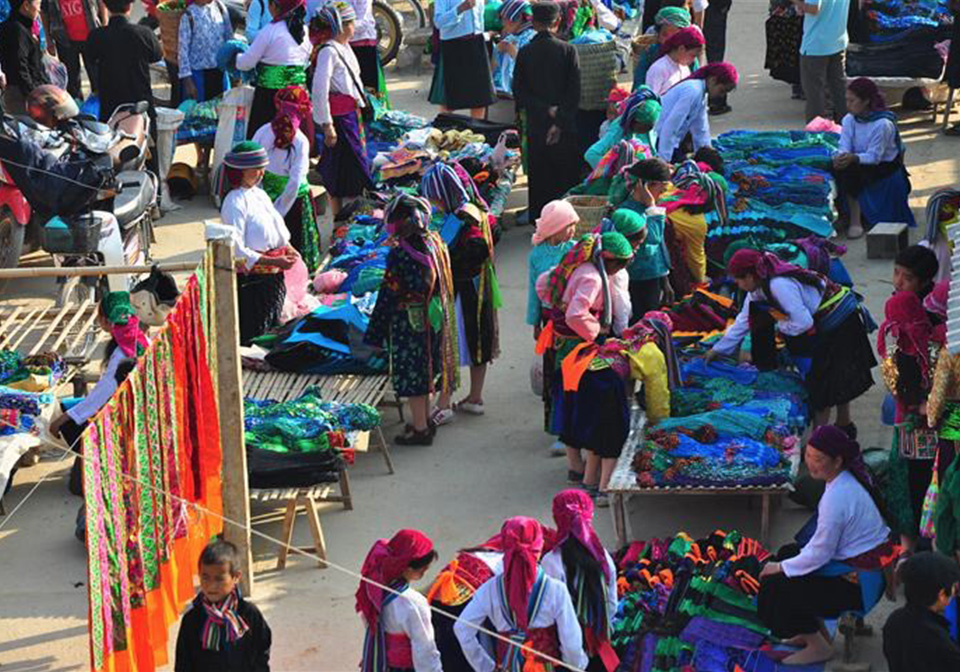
{"points": [[899, 38]]}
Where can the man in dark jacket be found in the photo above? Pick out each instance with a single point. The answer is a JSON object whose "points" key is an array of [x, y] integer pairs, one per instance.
{"points": [[122, 53], [21, 56], [546, 86]]}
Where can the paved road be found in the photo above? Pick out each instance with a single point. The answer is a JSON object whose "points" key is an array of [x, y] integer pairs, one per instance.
{"points": [[479, 471]]}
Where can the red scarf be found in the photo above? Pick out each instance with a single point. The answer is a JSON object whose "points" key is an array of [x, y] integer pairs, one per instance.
{"points": [[522, 540], [385, 563], [573, 513]]}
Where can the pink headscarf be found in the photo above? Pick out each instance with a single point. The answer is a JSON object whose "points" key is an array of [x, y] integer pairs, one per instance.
{"points": [[690, 37], [573, 514], [385, 563], [909, 324], [554, 218], [936, 301], [724, 73], [522, 540]]}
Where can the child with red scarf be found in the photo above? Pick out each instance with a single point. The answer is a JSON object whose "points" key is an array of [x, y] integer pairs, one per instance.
{"points": [[908, 371], [577, 558], [529, 609], [222, 632], [399, 630]]}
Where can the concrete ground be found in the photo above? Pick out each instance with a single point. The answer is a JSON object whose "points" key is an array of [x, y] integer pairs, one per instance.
{"points": [[480, 470]]}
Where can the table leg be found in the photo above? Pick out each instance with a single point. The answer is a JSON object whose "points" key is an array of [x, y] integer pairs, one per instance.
{"points": [[765, 520], [619, 512]]}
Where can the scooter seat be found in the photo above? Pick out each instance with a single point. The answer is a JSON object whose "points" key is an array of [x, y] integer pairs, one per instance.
{"points": [[137, 192]]}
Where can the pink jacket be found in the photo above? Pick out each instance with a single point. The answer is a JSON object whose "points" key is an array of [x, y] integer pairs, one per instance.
{"points": [[583, 299]]}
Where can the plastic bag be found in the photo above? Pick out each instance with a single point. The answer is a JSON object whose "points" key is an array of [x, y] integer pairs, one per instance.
{"points": [[56, 71]]}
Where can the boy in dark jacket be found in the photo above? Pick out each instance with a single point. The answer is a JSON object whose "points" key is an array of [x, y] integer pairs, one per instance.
{"points": [[222, 632], [917, 636]]}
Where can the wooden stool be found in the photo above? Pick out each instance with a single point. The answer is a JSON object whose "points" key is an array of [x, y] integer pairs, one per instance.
{"points": [[946, 109], [886, 239], [309, 505]]}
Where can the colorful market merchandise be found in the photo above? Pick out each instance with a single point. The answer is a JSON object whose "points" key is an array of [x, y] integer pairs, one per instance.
{"points": [[152, 489]]}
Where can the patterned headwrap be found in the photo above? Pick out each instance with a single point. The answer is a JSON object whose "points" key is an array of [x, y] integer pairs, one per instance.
{"points": [[908, 323], [690, 37], [766, 265], [415, 218], [619, 157], [573, 514], [442, 183], [723, 72], [672, 16], [522, 540], [245, 155], [294, 108], [385, 564], [516, 10], [335, 14], [631, 108]]}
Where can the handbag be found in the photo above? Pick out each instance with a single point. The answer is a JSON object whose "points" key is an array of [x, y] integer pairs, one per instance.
{"points": [[918, 442], [928, 513]]}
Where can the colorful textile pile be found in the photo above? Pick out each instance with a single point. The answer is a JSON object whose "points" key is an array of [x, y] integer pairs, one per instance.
{"points": [[159, 434], [36, 373], [689, 604], [730, 426]]}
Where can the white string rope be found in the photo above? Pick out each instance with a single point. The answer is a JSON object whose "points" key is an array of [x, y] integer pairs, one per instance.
{"points": [[112, 471]]}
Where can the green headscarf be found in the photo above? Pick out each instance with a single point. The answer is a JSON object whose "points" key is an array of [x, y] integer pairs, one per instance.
{"points": [[615, 246], [673, 16], [117, 309], [647, 112], [628, 223]]}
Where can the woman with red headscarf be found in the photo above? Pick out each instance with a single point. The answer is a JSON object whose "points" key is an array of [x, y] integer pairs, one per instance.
{"points": [[677, 55], [529, 609], [869, 164], [287, 142], [578, 559], [685, 109], [908, 373], [399, 629], [820, 321]]}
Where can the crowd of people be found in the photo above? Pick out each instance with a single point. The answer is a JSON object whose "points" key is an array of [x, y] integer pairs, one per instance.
{"points": [[317, 78]]}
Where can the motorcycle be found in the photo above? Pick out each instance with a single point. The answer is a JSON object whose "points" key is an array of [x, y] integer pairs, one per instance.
{"points": [[107, 216]]}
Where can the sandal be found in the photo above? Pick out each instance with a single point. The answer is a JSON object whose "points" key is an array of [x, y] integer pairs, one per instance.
{"points": [[468, 407], [442, 416]]}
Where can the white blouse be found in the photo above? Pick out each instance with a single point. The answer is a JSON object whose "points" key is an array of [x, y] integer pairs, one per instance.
{"points": [[848, 525], [257, 226], [88, 407], [556, 609], [365, 28], [274, 45], [409, 614], [293, 162], [684, 111], [333, 76], [799, 302], [552, 564], [664, 73], [873, 141]]}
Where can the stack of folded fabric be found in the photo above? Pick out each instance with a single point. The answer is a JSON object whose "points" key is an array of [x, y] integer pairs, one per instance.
{"points": [[689, 604], [899, 39], [302, 442]]}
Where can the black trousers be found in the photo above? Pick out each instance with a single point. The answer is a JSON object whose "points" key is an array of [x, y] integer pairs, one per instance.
{"points": [[794, 606], [644, 297], [70, 53], [715, 32], [71, 432]]}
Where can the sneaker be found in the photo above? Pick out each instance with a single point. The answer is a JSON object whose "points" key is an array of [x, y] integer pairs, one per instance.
{"points": [[558, 449], [574, 477], [442, 416], [601, 500]]}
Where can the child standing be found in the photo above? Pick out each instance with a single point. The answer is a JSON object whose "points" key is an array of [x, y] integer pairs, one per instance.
{"points": [[917, 636], [222, 631], [399, 628], [552, 239]]}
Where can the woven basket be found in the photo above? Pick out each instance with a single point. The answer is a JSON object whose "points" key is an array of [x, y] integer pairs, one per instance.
{"points": [[598, 73], [590, 209], [170, 33]]}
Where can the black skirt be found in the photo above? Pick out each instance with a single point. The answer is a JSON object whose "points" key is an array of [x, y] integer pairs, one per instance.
{"points": [[478, 329], [262, 110], [260, 297], [855, 178], [842, 363], [597, 416], [462, 79], [369, 61]]}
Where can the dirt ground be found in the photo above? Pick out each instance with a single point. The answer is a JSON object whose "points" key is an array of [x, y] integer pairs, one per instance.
{"points": [[479, 471]]}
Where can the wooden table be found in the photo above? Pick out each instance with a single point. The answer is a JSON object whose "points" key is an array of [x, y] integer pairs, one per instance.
{"points": [[623, 485]]}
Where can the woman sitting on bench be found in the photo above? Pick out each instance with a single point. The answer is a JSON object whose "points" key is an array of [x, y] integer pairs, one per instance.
{"points": [[837, 564]]}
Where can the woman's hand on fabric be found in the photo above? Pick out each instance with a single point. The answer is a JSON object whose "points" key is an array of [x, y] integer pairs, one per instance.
{"points": [[841, 161], [711, 356], [771, 569], [57, 424], [189, 88]]}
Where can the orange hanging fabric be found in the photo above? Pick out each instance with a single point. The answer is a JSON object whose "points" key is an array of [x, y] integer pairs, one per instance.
{"points": [[576, 364]]}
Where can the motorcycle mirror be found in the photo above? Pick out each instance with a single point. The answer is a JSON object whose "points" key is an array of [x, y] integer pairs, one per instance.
{"points": [[129, 153]]}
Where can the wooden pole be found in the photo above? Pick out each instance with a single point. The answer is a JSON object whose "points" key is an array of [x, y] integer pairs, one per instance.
{"points": [[89, 271], [236, 494]]}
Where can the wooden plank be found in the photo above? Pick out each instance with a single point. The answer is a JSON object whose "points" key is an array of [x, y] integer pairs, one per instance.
{"points": [[49, 330], [236, 494], [9, 321], [70, 324], [83, 331], [21, 328]]}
